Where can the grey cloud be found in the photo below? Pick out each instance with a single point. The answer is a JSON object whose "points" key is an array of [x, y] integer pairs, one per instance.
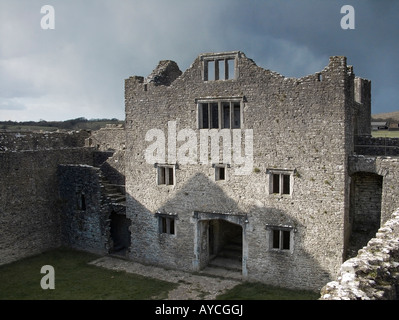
{"points": [[98, 44]]}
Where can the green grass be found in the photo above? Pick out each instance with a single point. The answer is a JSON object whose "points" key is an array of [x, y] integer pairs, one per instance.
{"points": [[259, 291], [75, 279], [385, 133]]}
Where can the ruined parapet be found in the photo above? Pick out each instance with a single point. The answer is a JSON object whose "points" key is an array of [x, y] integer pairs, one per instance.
{"points": [[165, 73], [33, 141], [374, 273], [110, 138]]}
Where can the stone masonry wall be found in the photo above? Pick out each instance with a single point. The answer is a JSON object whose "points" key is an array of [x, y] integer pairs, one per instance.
{"points": [[29, 205], [374, 273], [110, 138], [18, 141], [388, 169], [82, 220], [366, 145], [29, 202], [301, 125]]}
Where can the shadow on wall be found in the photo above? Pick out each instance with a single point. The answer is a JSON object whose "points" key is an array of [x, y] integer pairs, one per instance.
{"points": [[178, 235]]}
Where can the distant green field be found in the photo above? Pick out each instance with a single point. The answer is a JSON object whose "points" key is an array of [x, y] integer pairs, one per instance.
{"points": [[385, 134]]}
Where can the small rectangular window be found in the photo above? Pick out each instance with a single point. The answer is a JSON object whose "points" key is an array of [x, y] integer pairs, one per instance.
{"points": [[280, 238], [220, 173], [280, 181], [165, 175], [167, 225]]}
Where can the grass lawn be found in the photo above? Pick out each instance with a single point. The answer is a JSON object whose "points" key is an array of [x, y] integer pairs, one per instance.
{"points": [[259, 291], [75, 279]]}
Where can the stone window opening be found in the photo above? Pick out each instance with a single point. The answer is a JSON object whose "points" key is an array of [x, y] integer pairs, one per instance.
{"points": [[166, 225], [220, 172], [280, 237], [165, 175], [280, 182], [219, 69], [220, 115]]}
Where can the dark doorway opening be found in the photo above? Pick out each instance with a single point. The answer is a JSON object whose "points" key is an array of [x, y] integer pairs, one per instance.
{"points": [[225, 245], [120, 238], [365, 210]]}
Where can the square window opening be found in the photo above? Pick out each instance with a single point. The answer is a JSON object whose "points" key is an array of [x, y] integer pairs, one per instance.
{"points": [[220, 173], [281, 239], [165, 175], [167, 225]]}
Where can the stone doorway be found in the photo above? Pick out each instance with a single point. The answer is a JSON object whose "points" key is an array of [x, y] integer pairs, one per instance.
{"points": [[120, 237], [225, 245], [365, 210], [220, 241]]}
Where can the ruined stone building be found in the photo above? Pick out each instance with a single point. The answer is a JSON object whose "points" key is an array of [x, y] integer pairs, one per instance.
{"points": [[224, 165]]}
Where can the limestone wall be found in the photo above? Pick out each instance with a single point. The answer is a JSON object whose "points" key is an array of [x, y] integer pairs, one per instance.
{"points": [[303, 126], [374, 272], [26, 140], [29, 202]]}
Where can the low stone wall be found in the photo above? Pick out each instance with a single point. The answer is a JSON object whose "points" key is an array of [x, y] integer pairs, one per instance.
{"points": [[381, 146], [374, 273], [27, 140]]}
